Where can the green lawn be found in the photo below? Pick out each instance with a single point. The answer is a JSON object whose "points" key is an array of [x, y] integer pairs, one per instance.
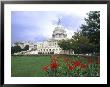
{"points": [[28, 66], [31, 66]]}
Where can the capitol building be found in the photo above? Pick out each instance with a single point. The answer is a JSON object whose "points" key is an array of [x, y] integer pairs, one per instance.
{"points": [[49, 46]]}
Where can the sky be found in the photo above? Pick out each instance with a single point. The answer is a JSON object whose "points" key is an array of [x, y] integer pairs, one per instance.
{"points": [[39, 25]]}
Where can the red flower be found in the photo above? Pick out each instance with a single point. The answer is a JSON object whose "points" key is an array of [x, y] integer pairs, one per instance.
{"points": [[53, 65], [77, 63], [71, 67], [45, 68]]}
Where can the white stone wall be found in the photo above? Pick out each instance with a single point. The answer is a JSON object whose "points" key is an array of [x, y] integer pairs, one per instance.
{"points": [[48, 47]]}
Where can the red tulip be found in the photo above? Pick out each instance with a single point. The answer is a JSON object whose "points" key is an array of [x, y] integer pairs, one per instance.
{"points": [[53, 65], [77, 63], [71, 67]]}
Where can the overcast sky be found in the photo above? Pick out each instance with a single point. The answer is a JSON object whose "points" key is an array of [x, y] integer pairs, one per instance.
{"points": [[39, 25]]}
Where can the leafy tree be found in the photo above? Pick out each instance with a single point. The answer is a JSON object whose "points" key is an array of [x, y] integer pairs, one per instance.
{"points": [[15, 49], [65, 44], [26, 48], [91, 29], [12, 50], [80, 43]]}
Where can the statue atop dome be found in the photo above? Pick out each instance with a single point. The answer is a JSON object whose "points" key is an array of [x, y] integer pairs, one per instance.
{"points": [[59, 21]]}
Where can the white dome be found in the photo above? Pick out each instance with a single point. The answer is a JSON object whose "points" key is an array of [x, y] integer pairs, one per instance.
{"points": [[59, 33]]}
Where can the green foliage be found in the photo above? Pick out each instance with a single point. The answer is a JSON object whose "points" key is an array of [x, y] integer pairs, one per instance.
{"points": [[80, 43], [92, 29], [26, 48], [65, 44], [15, 49]]}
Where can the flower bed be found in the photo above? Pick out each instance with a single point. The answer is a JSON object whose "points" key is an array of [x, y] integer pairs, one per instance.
{"points": [[64, 66]]}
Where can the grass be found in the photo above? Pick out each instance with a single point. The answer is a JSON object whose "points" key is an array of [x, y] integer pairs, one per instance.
{"points": [[28, 66], [31, 66]]}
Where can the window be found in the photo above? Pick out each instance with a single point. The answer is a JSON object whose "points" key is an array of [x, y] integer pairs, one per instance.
{"points": [[49, 49]]}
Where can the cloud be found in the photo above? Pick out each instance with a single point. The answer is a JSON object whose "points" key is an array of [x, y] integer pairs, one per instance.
{"points": [[39, 25]]}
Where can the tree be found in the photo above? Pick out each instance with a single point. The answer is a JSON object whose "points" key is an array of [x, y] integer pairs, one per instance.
{"points": [[91, 29], [26, 48], [15, 49], [12, 50], [80, 43], [65, 44]]}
